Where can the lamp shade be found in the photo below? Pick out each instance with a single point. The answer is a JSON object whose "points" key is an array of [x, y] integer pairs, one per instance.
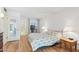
{"points": [[44, 29]]}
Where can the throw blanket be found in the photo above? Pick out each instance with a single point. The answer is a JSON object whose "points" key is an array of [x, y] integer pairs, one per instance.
{"points": [[38, 40]]}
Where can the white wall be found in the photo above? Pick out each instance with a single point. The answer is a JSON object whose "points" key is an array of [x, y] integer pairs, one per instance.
{"points": [[1, 25], [23, 25]]}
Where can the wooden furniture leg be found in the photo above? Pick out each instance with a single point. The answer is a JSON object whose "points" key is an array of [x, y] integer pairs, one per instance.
{"points": [[70, 47], [76, 46]]}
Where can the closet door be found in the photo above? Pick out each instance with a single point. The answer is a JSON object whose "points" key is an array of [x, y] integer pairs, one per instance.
{"points": [[11, 27]]}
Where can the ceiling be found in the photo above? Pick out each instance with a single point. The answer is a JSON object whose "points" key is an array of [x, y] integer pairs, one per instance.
{"points": [[53, 11], [35, 9]]}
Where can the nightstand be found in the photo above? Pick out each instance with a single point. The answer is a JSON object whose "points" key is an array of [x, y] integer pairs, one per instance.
{"points": [[68, 43]]}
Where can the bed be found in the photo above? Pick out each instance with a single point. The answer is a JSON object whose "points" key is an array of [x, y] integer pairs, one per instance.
{"points": [[38, 40]]}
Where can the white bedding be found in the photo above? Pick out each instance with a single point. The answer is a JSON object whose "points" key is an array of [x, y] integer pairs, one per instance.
{"points": [[38, 40]]}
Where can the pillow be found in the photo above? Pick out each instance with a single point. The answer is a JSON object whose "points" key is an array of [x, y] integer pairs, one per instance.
{"points": [[54, 33], [47, 32]]}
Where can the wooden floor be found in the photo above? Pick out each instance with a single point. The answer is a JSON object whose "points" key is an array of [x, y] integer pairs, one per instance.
{"points": [[54, 48], [23, 45], [13, 46]]}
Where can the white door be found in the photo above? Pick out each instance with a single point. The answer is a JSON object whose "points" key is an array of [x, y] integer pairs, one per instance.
{"points": [[14, 29]]}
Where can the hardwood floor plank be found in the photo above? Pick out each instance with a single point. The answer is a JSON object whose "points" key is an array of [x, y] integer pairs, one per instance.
{"points": [[13, 46]]}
